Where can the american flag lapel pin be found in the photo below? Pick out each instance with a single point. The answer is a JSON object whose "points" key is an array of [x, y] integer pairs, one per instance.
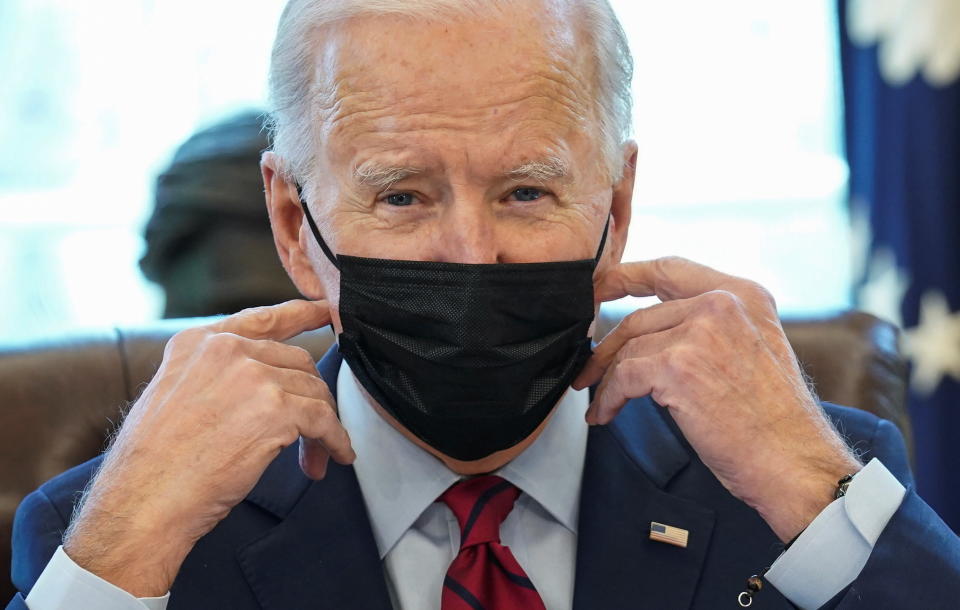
{"points": [[669, 534]]}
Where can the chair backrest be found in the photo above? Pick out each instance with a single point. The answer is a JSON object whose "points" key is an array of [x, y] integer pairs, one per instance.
{"points": [[60, 399]]}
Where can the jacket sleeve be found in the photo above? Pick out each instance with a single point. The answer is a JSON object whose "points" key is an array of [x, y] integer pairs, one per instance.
{"points": [[916, 560], [37, 532]]}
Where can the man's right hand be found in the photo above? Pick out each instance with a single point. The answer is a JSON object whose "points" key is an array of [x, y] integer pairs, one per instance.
{"points": [[227, 399]]}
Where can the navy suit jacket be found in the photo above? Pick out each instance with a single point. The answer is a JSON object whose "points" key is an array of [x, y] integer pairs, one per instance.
{"points": [[295, 543]]}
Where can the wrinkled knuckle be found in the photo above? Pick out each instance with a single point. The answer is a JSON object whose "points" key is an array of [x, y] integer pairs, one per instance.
{"points": [[184, 340], [666, 271], [622, 355], [672, 260], [289, 434], [314, 385], [259, 319], [612, 368], [304, 358], [221, 345], [325, 421], [722, 302], [763, 295], [662, 266], [623, 371], [633, 368], [300, 307], [667, 265], [317, 421], [255, 373], [329, 413], [703, 327], [274, 396], [632, 322], [262, 410], [678, 363], [630, 348]]}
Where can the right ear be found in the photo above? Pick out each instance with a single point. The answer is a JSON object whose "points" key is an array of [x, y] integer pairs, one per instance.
{"points": [[289, 227]]}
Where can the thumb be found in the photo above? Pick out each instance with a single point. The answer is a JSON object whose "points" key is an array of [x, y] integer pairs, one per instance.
{"points": [[616, 283], [313, 458]]}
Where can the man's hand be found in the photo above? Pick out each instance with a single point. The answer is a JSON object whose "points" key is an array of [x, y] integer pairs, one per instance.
{"points": [[227, 398], [714, 353]]}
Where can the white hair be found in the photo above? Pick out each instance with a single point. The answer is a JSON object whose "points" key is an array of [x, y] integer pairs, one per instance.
{"points": [[291, 119]]}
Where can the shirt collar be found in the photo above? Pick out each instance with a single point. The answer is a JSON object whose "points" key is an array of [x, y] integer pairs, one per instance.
{"points": [[551, 468], [399, 480]]}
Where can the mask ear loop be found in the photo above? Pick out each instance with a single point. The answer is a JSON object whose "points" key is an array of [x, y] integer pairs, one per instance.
{"points": [[603, 240], [316, 232]]}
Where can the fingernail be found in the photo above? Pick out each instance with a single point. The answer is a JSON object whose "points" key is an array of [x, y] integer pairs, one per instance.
{"points": [[582, 380]]}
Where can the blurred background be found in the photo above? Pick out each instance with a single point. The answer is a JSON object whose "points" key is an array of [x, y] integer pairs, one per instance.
{"points": [[812, 146]]}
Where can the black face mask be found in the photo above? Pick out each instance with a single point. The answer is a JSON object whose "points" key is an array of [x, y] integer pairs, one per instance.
{"points": [[470, 358]]}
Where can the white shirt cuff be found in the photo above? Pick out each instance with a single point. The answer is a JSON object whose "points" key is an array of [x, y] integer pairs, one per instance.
{"points": [[833, 549], [63, 585]]}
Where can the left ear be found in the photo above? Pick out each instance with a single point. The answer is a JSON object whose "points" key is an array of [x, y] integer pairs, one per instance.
{"points": [[286, 221], [621, 205]]}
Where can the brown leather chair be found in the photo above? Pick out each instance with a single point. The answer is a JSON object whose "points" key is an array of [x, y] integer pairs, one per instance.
{"points": [[60, 399]]}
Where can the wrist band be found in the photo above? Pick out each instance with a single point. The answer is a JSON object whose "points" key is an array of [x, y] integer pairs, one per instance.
{"points": [[755, 582], [842, 486]]}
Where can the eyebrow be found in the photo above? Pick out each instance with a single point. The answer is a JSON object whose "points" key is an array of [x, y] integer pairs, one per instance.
{"points": [[374, 175], [540, 170], [378, 176]]}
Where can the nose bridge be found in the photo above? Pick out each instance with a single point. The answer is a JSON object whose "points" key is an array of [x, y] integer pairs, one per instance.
{"points": [[468, 231]]}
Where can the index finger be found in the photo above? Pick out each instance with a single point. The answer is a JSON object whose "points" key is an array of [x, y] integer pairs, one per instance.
{"points": [[277, 322], [668, 278]]}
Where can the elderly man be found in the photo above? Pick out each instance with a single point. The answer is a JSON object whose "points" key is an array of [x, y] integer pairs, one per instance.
{"points": [[450, 186]]}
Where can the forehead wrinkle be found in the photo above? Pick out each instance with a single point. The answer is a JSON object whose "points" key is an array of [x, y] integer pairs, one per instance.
{"points": [[357, 94], [372, 127], [556, 92], [566, 89]]}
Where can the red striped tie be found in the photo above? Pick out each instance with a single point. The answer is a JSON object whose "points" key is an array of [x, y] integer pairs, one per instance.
{"points": [[484, 575]]}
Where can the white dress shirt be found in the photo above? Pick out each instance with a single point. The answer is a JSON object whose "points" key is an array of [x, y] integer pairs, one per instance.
{"points": [[418, 538]]}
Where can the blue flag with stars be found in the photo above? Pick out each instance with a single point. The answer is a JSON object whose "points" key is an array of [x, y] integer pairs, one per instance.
{"points": [[901, 83]]}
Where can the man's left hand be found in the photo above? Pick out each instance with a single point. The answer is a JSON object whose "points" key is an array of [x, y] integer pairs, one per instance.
{"points": [[714, 354]]}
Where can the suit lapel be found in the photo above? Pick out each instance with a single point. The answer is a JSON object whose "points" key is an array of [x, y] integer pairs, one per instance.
{"points": [[322, 553], [628, 465]]}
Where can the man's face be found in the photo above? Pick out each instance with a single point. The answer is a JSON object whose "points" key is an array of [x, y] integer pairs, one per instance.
{"points": [[472, 142]]}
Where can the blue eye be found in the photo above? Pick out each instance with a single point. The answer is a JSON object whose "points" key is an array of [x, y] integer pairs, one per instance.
{"points": [[527, 193], [400, 199]]}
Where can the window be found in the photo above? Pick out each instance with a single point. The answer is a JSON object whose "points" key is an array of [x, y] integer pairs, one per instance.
{"points": [[97, 96], [736, 115]]}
